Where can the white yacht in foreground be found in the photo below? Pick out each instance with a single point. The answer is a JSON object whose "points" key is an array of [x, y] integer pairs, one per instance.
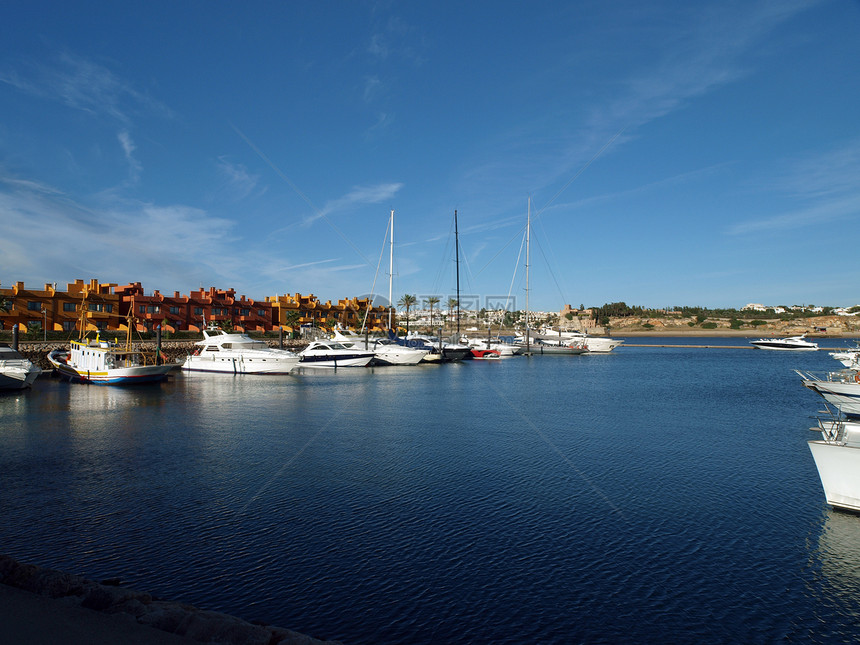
{"points": [[16, 372], [227, 353], [791, 343], [837, 458], [840, 389]]}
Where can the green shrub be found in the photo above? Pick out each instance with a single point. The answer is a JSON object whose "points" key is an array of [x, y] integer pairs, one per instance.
{"points": [[709, 325]]}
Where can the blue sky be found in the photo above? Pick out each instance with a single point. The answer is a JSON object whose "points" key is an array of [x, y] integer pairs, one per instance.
{"points": [[676, 153]]}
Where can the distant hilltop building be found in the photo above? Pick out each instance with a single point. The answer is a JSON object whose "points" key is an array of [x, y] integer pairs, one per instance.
{"points": [[108, 304], [782, 310]]}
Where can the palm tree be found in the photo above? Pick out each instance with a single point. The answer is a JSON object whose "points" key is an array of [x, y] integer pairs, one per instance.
{"points": [[292, 319], [453, 302], [407, 301], [432, 300]]}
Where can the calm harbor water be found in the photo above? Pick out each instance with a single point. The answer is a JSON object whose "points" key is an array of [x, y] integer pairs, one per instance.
{"points": [[653, 494]]}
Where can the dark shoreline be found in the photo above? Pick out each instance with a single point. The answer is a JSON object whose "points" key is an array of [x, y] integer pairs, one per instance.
{"points": [[78, 610]]}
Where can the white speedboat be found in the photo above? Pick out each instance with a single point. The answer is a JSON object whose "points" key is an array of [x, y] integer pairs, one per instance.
{"points": [[505, 350], [849, 357], [223, 352], [16, 372], [837, 458], [592, 344], [840, 389], [385, 352], [485, 354], [323, 353], [791, 343], [448, 351]]}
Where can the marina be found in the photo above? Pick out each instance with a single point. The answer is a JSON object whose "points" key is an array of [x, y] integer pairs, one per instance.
{"points": [[600, 498]]}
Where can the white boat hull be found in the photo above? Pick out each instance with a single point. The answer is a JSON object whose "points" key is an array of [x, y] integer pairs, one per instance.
{"points": [[16, 372], [17, 378], [132, 374], [332, 362], [392, 356], [790, 344], [839, 470], [242, 364], [845, 395], [118, 376], [597, 345]]}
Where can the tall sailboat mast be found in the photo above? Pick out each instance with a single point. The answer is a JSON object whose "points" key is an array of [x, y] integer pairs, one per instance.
{"points": [[391, 270], [457, 262], [528, 245]]}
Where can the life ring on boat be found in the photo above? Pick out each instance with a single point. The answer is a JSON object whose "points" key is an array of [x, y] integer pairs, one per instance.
{"points": [[196, 352], [857, 377]]}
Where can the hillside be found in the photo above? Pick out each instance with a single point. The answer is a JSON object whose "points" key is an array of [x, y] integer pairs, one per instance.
{"points": [[830, 326]]}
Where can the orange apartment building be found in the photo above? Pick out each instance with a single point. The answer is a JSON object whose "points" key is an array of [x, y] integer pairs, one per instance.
{"points": [[108, 306]]}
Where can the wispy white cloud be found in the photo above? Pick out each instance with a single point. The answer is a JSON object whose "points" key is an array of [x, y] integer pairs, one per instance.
{"points": [[239, 181], [83, 85], [128, 148], [357, 196], [378, 48], [372, 84], [709, 52], [827, 181], [816, 215], [116, 240]]}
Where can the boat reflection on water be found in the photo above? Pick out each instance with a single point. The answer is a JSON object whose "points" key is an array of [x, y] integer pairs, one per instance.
{"points": [[839, 554]]}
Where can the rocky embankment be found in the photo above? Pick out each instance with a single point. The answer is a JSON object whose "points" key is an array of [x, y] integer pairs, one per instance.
{"points": [[819, 326], [173, 617]]}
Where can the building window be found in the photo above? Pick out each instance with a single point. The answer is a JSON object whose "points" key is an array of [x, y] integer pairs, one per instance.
{"points": [[141, 309], [69, 306], [174, 311], [198, 311], [34, 306], [261, 312], [153, 309], [68, 325]]}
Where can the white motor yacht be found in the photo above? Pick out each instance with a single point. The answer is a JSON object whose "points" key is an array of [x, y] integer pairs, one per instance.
{"points": [[16, 372], [448, 351], [234, 353], [329, 354], [849, 357], [840, 389], [837, 458], [791, 343], [385, 352], [504, 350], [591, 344]]}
